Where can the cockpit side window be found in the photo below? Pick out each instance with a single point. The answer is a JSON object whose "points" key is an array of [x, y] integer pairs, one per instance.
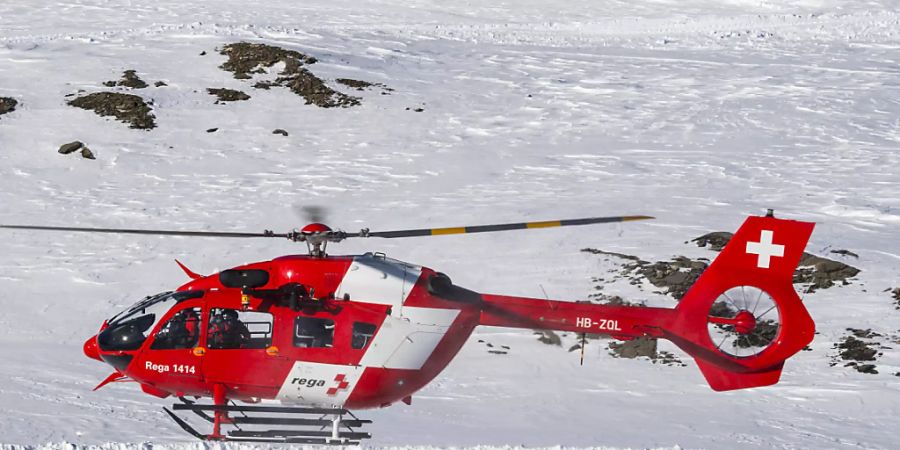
{"points": [[231, 329], [312, 332], [180, 332]]}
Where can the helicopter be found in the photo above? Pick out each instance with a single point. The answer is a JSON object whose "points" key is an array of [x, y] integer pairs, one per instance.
{"points": [[301, 341]]}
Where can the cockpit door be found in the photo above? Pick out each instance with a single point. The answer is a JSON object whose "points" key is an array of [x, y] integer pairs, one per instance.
{"points": [[173, 354]]}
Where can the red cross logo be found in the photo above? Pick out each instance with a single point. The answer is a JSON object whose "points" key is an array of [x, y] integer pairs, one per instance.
{"points": [[765, 249], [341, 384]]}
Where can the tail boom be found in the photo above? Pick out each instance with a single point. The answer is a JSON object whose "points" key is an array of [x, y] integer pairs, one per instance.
{"points": [[617, 321], [760, 258]]}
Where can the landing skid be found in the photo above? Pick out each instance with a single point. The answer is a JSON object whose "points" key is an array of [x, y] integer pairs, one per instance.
{"points": [[324, 426]]}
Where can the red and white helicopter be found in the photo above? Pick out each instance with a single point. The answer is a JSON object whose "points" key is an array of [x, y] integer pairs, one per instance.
{"points": [[328, 334]]}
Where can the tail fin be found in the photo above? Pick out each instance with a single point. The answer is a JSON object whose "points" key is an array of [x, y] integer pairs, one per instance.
{"points": [[742, 319]]}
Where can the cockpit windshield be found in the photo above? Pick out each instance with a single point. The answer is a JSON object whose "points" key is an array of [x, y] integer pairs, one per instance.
{"points": [[129, 329]]}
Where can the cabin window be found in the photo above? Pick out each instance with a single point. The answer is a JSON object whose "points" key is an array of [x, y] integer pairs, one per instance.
{"points": [[180, 332], [311, 332], [232, 328], [362, 334]]}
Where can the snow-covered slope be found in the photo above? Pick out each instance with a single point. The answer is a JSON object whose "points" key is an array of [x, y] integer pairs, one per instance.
{"points": [[696, 112]]}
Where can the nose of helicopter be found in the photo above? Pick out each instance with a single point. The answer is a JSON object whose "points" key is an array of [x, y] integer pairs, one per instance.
{"points": [[91, 350]]}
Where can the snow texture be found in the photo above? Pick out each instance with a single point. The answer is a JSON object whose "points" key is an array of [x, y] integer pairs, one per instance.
{"points": [[697, 112]]}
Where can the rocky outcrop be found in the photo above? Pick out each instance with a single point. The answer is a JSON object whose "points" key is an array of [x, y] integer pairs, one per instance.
{"points": [[127, 108], [7, 105], [228, 95], [859, 350], [246, 60], [129, 80]]}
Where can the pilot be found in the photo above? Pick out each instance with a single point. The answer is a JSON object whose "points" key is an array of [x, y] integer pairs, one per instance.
{"points": [[180, 332], [190, 328], [227, 331]]}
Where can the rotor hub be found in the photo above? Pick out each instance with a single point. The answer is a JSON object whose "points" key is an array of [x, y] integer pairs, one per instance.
{"points": [[315, 228], [744, 322]]}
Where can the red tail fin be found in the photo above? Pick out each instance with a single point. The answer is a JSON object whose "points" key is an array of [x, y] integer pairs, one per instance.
{"points": [[742, 318]]}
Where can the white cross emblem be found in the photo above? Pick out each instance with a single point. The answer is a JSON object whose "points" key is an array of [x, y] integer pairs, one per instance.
{"points": [[765, 249]]}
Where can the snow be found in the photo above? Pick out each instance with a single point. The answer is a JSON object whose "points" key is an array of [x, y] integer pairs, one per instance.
{"points": [[696, 112]]}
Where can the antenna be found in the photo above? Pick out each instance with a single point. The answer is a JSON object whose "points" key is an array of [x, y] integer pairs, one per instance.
{"points": [[583, 335], [583, 343]]}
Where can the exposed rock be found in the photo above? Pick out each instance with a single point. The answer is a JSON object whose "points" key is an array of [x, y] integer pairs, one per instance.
{"points": [[643, 347], [303, 83], [245, 58], [127, 108], [617, 255], [160, 84], [613, 300], [129, 80], [360, 85], [71, 147], [203, 53], [864, 334], [548, 337], [716, 240], [7, 105], [634, 348], [677, 275], [212, 130], [265, 85], [896, 293], [493, 350], [822, 273], [668, 359], [845, 253], [228, 95], [857, 348], [279, 131], [86, 153]]}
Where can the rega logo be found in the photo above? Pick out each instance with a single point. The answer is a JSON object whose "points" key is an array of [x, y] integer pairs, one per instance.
{"points": [[308, 382]]}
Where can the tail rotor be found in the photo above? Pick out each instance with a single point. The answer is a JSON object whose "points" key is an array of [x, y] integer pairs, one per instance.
{"points": [[744, 321]]}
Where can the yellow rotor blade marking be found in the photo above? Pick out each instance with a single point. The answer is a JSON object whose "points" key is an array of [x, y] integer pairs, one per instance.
{"points": [[546, 224], [456, 230]]}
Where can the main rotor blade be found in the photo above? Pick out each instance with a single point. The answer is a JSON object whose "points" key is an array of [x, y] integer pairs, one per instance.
{"points": [[498, 227], [153, 232]]}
